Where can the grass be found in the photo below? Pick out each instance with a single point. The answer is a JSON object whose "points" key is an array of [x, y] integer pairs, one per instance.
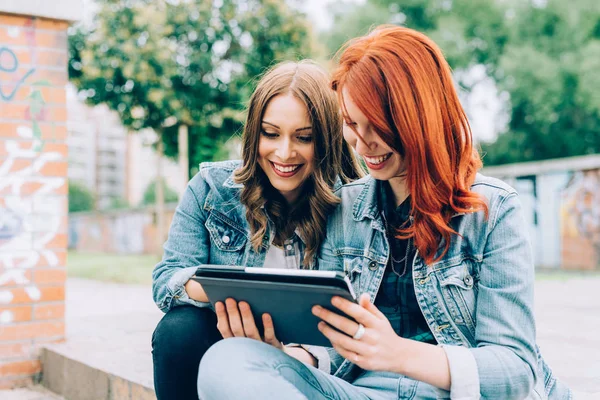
{"points": [[563, 276], [137, 269], [119, 268]]}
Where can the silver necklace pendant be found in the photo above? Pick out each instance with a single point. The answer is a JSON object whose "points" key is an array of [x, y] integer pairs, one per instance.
{"points": [[405, 259]]}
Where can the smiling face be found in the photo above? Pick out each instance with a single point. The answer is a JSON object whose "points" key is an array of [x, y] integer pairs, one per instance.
{"points": [[285, 147], [383, 162]]}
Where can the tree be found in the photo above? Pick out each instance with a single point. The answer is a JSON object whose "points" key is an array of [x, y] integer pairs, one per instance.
{"points": [[80, 198], [164, 65], [149, 197], [550, 70]]}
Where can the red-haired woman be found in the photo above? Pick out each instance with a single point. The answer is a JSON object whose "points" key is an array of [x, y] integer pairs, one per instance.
{"points": [[439, 252]]}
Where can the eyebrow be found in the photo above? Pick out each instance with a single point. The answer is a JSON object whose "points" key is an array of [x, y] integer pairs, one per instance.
{"points": [[297, 130]]}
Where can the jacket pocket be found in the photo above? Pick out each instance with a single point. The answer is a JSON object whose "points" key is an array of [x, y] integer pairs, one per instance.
{"points": [[224, 235], [459, 292], [353, 269]]}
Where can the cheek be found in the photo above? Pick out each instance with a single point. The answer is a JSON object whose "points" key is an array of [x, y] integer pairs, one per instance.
{"points": [[350, 136], [263, 149]]}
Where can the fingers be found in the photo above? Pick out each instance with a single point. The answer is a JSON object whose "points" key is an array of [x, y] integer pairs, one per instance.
{"points": [[340, 322], [235, 319], [248, 323], [359, 313], [342, 341], [270, 337], [365, 302], [222, 320]]}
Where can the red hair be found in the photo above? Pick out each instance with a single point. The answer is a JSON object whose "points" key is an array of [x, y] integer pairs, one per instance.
{"points": [[401, 82]]}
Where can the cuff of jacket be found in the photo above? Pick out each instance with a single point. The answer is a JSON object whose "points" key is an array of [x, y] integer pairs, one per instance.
{"points": [[176, 287], [464, 375]]}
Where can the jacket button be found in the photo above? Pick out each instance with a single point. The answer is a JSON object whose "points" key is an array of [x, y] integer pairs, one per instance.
{"points": [[373, 266], [468, 280], [225, 239]]}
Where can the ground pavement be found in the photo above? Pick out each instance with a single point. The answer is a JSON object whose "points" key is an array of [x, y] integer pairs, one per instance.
{"points": [[109, 326]]}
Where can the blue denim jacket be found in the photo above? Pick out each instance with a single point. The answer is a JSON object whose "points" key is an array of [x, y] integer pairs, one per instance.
{"points": [[209, 227], [477, 299]]}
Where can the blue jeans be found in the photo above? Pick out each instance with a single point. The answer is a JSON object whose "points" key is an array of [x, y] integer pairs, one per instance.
{"points": [[240, 368]]}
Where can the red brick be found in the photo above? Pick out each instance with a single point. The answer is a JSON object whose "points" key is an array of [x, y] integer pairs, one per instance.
{"points": [[32, 330], [13, 111], [54, 95], [50, 39], [8, 129], [49, 311], [43, 23], [14, 350], [19, 313], [15, 20], [54, 168], [51, 58], [47, 276], [19, 165], [8, 40], [61, 255], [57, 114], [18, 368], [59, 241], [47, 293]]}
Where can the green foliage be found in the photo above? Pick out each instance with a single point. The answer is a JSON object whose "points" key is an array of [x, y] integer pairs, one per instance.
{"points": [[163, 64], [80, 198], [550, 69], [150, 194]]}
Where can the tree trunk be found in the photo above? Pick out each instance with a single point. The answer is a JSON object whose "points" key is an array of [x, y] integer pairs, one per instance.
{"points": [[160, 197], [184, 164]]}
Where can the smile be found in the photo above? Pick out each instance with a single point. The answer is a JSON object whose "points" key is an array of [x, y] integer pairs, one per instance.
{"points": [[377, 160], [284, 170]]}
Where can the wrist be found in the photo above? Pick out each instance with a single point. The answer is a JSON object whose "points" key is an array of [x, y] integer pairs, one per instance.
{"points": [[300, 354]]}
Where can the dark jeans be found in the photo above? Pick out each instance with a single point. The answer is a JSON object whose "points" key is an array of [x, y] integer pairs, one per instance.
{"points": [[179, 341]]}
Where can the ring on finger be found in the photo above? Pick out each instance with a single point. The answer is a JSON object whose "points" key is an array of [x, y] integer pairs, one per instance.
{"points": [[360, 332]]}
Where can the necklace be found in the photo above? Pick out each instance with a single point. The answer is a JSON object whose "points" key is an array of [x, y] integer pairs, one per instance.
{"points": [[404, 259]]}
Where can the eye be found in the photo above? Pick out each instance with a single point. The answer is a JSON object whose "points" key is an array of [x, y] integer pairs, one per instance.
{"points": [[268, 135], [305, 138], [349, 123]]}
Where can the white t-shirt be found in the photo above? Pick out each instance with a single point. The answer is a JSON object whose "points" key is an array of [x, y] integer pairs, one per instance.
{"points": [[287, 257]]}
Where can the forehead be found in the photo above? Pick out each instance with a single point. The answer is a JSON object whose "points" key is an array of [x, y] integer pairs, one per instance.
{"points": [[350, 109], [286, 110]]}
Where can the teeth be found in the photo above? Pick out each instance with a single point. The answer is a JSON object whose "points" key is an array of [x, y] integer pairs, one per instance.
{"points": [[286, 169], [377, 160]]}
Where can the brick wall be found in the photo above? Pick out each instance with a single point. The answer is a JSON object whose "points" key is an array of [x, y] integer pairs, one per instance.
{"points": [[33, 192]]}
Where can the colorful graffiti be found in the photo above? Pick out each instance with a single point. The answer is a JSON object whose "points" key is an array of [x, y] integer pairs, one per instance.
{"points": [[581, 214], [27, 222]]}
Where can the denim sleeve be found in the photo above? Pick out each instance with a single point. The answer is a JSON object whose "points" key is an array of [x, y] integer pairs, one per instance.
{"points": [[503, 365], [186, 248]]}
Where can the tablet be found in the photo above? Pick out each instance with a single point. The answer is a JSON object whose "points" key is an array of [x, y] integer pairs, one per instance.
{"points": [[287, 295]]}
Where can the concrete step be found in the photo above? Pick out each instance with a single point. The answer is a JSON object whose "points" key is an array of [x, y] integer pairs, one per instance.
{"points": [[31, 393], [90, 377], [107, 351]]}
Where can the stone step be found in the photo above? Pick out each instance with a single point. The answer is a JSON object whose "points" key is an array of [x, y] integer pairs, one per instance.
{"points": [[90, 377], [31, 393]]}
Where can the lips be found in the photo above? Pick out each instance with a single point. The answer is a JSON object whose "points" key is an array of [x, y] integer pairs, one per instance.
{"points": [[377, 162], [285, 170]]}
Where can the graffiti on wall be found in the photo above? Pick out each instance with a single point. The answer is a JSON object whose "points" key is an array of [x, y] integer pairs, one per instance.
{"points": [[581, 211], [28, 217]]}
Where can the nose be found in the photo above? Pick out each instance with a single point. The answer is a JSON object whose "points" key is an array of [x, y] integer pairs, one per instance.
{"points": [[285, 149], [365, 142]]}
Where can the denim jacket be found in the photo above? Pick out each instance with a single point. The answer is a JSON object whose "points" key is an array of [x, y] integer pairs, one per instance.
{"points": [[477, 299], [210, 227]]}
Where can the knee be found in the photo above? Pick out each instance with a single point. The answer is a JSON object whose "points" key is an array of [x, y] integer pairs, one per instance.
{"points": [[227, 360], [185, 328]]}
